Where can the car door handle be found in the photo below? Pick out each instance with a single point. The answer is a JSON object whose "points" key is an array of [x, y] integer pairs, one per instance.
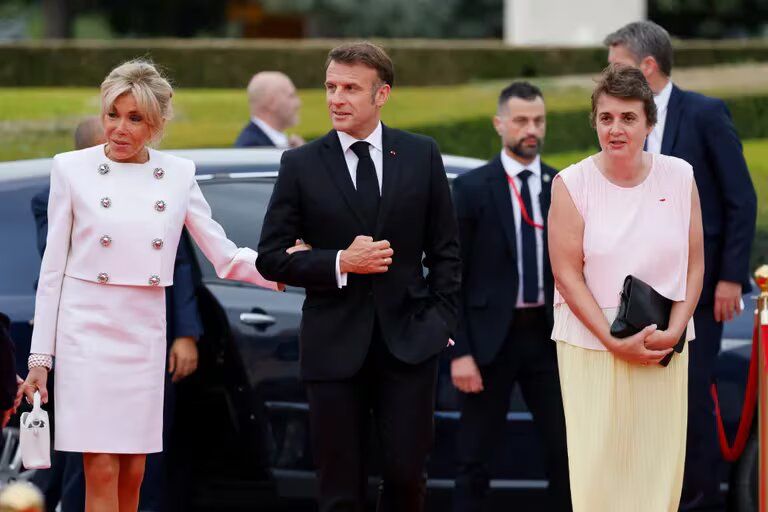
{"points": [[258, 319]]}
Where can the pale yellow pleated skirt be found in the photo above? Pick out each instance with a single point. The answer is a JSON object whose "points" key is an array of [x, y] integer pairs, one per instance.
{"points": [[626, 429]]}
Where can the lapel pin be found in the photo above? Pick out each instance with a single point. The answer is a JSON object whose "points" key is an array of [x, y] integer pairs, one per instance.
{"points": [[392, 152], [546, 178]]}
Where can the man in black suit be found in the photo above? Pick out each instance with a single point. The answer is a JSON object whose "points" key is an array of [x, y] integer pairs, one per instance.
{"points": [[506, 314], [274, 107], [375, 205], [699, 130]]}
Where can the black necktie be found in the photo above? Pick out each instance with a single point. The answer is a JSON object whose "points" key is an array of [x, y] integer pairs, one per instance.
{"points": [[528, 235], [367, 184]]}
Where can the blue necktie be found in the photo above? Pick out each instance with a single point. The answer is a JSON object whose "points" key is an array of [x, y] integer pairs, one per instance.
{"points": [[528, 236]]}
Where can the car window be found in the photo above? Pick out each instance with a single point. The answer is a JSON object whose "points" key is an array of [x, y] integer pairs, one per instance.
{"points": [[19, 259], [239, 206]]}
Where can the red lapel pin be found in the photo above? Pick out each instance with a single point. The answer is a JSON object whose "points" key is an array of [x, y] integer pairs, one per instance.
{"points": [[392, 152]]}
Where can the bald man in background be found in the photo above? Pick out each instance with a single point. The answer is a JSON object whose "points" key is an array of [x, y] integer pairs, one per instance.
{"points": [[274, 107]]}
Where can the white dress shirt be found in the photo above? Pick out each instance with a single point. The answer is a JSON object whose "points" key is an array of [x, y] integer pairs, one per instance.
{"points": [[662, 102], [512, 167], [377, 155], [279, 139]]}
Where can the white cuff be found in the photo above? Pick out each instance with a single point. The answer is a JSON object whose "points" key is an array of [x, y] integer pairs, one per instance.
{"points": [[341, 277]]}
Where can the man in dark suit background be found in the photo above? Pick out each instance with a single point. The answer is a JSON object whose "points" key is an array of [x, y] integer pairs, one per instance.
{"points": [[507, 293], [66, 480], [375, 205], [274, 107], [699, 130]]}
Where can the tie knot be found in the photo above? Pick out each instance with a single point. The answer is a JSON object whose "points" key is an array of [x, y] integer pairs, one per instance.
{"points": [[360, 148], [524, 175]]}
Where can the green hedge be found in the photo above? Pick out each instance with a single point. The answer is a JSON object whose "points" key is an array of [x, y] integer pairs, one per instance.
{"points": [[230, 63], [570, 131]]}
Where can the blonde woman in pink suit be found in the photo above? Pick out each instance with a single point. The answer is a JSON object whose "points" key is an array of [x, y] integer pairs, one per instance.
{"points": [[624, 211], [116, 213]]}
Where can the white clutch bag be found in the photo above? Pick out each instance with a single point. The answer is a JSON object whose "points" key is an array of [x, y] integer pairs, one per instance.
{"points": [[35, 437]]}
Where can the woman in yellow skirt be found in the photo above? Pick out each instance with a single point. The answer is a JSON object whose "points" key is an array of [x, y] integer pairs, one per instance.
{"points": [[622, 212]]}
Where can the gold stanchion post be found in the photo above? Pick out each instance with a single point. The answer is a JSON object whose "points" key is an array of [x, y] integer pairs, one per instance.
{"points": [[761, 317]]}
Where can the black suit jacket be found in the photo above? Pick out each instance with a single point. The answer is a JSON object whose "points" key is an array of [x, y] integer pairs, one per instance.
{"points": [[699, 130], [489, 258], [253, 136], [314, 199]]}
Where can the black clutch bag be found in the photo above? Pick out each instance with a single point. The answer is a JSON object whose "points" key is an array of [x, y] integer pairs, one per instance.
{"points": [[641, 306]]}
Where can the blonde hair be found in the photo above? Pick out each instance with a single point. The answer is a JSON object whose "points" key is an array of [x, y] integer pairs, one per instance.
{"points": [[149, 88]]}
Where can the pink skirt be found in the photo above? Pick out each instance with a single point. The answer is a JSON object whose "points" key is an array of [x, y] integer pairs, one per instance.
{"points": [[109, 368]]}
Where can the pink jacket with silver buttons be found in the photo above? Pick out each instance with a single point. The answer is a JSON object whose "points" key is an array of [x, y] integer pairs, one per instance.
{"points": [[119, 224]]}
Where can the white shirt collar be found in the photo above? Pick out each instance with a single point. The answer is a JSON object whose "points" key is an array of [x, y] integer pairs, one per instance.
{"points": [[374, 139], [662, 99], [512, 167], [279, 139]]}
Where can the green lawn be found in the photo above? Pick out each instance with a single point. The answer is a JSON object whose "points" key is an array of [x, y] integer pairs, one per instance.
{"points": [[38, 122]]}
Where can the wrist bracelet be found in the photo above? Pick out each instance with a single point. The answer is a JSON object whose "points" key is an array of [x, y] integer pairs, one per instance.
{"points": [[37, 360]]}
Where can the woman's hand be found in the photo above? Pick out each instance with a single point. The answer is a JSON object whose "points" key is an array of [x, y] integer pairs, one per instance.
{"points": [[299, 246], [633, 349], [37, 380], [661, 340]]}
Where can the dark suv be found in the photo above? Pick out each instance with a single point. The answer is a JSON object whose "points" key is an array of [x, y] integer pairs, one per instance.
{"points": [[243, 415]]}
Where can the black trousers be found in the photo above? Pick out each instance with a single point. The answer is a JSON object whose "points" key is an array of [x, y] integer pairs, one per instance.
{"points": [[529, 358], [395, 401], [701, 486]]}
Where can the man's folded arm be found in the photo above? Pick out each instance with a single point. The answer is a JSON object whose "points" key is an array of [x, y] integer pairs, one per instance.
{"points": [[315, 268]]}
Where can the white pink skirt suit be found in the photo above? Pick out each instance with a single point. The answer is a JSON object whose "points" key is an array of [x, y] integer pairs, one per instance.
{"points": [[113, 231]]}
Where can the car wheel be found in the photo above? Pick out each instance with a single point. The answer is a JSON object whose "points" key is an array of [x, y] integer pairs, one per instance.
{"points": [[10, 459], [743, 486]]}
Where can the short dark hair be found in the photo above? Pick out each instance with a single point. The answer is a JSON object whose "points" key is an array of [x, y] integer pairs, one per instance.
{"points": [[645, 39], [625, 82], [369, 54], [523, 90]]}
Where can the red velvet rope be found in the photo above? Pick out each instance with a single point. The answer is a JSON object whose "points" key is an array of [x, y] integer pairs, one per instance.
{"points": [[732, 452]]}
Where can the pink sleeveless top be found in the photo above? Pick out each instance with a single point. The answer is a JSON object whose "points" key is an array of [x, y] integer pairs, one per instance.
{"points": [[641, 230]]}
